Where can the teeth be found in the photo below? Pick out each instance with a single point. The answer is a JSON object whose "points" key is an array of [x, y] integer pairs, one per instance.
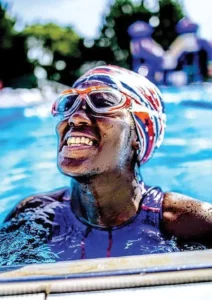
{"points": [[79, 140], [87, 141]]}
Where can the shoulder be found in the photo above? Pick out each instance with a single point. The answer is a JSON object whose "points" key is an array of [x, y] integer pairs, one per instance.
{"points": [[35, 215], [186, 217], [176, 203], [38, 201]]}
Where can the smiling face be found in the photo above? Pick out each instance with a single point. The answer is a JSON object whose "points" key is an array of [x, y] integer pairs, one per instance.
{"points": [[91, 144]]}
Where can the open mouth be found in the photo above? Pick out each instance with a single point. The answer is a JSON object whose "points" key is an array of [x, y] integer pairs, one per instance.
{"points": [[80, 142]]}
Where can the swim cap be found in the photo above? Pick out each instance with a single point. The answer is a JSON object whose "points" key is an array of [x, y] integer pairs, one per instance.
{"points": [[147, 105]]}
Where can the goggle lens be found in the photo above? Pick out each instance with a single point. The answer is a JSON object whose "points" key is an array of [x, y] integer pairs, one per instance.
{"points": [[102, 100], [99, 101], [65, 103]]}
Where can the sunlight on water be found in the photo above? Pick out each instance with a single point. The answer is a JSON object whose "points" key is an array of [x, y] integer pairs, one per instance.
{"points": [[28, 166], [31, 247]]}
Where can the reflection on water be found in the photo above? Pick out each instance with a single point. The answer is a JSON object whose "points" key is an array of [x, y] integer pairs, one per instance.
{"points": [[28, 154], [28, 166], [20, 247]]}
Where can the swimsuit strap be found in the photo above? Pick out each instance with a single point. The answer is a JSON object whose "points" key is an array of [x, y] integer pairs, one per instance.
{"points": [[151, 206]]}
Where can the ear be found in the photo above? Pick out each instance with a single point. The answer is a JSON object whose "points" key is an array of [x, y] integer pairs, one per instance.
{"points": [[135, 144]]}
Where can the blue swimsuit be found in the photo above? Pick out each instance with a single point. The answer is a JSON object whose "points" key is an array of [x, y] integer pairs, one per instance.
{"points": [[140, 235], [46, 230]]}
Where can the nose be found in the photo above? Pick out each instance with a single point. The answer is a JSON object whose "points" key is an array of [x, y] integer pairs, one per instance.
{"points": [[81, 116]]}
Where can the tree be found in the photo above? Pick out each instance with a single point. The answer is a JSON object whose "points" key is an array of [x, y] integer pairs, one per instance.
{"points": [[15, 70], [113, 44], [59, 54], [56, 50], [169, 14]]}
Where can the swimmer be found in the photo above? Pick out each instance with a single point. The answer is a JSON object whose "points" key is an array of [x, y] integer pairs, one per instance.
{"points": [[110, 123]]}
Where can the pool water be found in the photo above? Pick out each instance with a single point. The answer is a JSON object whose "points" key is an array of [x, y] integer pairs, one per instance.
{"points": [[28, 164], [28, 153]]}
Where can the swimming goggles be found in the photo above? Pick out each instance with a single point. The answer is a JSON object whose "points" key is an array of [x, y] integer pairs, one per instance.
{"points": [[101, 100]]}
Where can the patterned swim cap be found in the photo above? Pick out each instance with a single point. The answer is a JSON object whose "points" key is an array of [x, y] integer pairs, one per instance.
{"points": [[147, 105]]}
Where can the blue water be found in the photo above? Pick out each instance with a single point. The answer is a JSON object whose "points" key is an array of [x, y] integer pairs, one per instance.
{"points": [[28, 153]]}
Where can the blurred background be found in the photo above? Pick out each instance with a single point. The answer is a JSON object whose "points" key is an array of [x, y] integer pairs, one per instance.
{"points": [[58, 42], [45, 46]]}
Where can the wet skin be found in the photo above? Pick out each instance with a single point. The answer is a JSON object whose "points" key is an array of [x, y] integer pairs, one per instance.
{"points": [[107, 189], [108, 193], [111, 149], [104, 188]]}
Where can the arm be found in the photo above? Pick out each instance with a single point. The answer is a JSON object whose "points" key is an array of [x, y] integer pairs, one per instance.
{"points": [[187, 218], [35, 215], [36, 201], [25, 233]]}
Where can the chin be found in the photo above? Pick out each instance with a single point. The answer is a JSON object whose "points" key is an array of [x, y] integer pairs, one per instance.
{"points": [[75, 167]]}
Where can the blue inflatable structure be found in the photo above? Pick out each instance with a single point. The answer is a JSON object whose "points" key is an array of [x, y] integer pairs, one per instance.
{"points": [[188, 59], [147, 55]]}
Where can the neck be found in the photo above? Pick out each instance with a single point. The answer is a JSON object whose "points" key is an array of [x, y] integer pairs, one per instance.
{"points": [[106, 200]]}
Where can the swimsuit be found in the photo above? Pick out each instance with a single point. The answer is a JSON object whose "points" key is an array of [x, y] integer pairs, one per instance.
{"points": [[46, 230], [142, 234]]}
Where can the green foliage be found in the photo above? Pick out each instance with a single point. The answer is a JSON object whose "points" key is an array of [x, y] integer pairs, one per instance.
{"points": [[114, 41], [62, 55], [13, 54], [55, 38], [6, 29], [113, 45], [58, 51]]}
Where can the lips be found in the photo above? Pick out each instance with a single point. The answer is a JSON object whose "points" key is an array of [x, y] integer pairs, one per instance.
{"points": [[79, 140], [79, 147]]}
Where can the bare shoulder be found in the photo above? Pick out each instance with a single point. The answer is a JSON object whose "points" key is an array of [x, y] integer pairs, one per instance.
{"points": [[37, 201], [186, 217], [180, 202], [175, 204]]}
